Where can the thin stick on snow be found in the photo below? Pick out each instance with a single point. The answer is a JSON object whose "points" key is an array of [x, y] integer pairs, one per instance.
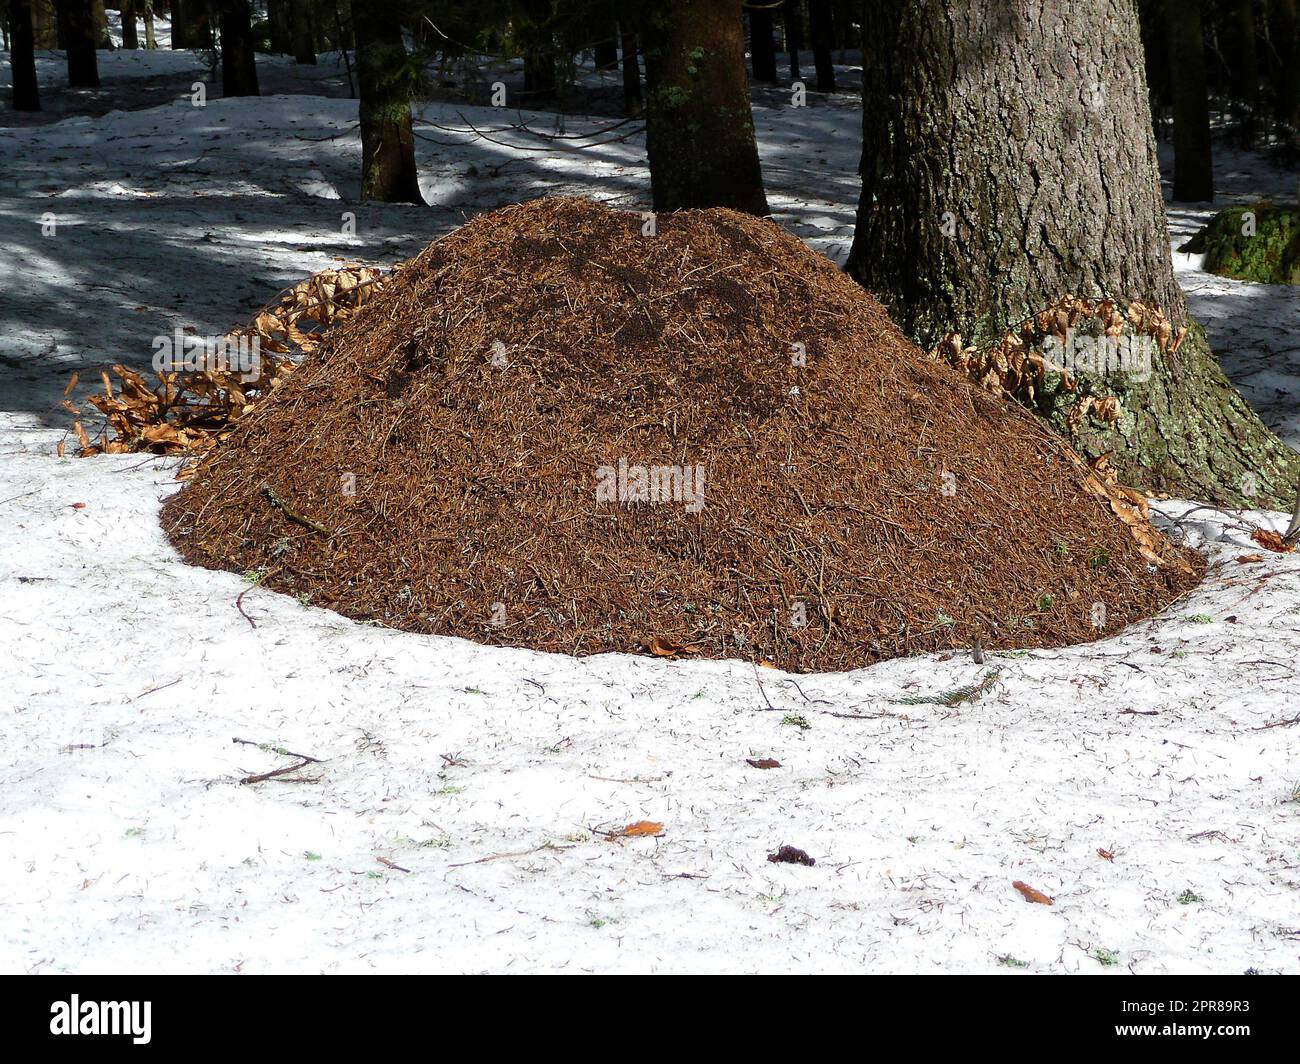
{"points": [[1293, 533]]}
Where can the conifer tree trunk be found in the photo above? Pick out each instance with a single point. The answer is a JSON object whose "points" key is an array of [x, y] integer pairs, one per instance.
{"points": [[77, 22], [277, 24], [1193, 157], [793, 19], [631, 70], [238, 63], [761, 49], [1284, 32], [130, 38], [605, 48], [1243, 63], [26, 95], [385, 80], [45, 31], [1007, 162], [821, 28], [180, 23], [150, 41], [304, 40], [699, 123]]}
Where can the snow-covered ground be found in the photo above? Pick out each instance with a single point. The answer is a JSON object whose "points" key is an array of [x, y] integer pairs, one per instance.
{"points": [[456, 817]]}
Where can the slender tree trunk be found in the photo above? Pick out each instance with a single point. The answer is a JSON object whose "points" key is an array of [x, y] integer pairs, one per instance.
{"points": [[793, 18], [277, 24], [304, 40], [26, 95], [1193, 157], [761, 49], [238, 63], [699, 123], [150, 41], [631, 71], [77, 18], [1243, 63], [385, 78], [821, 27], [130, 38], [966, 224]]}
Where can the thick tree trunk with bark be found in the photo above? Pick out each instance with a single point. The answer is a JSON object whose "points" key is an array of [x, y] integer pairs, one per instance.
{"points": [[1193, 158], [792, 18], [699, 123], [304, 40], [821, 28], [22, 54], [238, 64], [631, 71], [762, 50], [1009, 161], [385, 79], [77, 21]]}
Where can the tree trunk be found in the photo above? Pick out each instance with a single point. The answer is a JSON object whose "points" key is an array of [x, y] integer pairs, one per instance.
{"points": [[631, 71], [180, 24], [238, 64], [699, 124], [761, 49], [102, 39], [605, 48], [793, 21], [278, 26], [77, 18], [150, 41], [26, 96], [130, 39], [821, 28], [968, 224], [1243, 63], [385, 77], [1193, 158], [304, 40], [1284, 31], [536, 35]]}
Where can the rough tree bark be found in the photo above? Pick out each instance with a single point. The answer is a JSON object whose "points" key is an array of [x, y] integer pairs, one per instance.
{"points": [[150, 41], [792, 19], [761, 49], [77, 22], [699, 123], [238, 64], [821, 28], [26, 95], [1193, 158], [1010, 161], [385, 79]]}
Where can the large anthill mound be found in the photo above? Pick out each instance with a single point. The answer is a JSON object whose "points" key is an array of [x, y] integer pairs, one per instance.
{"points": [[554, 430]]}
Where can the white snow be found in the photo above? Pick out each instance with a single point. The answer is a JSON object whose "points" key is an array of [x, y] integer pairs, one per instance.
{"points": [[127, 842]]}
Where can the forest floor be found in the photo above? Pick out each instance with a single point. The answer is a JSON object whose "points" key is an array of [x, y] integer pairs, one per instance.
{"points": [[463, 810]]}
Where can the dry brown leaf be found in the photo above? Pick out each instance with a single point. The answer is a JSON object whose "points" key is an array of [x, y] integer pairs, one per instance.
{"points": [[1030, 894], [640, 829], [1270, 540], [72, 383], [663, 647], [765, 762]]}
